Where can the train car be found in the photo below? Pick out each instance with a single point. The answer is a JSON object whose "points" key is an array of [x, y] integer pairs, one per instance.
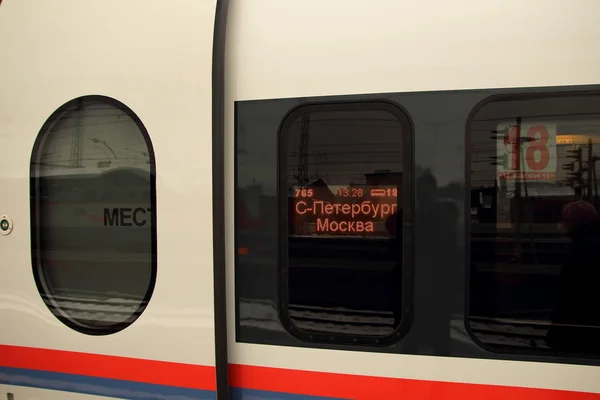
{"points": [[285, 199]]}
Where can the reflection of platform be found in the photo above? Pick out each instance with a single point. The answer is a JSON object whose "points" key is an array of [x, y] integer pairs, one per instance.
{"points": [[95, 308], [264, 315], [340, 320], [510, 333]]}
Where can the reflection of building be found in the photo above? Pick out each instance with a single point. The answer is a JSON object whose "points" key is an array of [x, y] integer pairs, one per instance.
{"points": [[384, 178], [387, 178], [321, 190], [484, 204], [541, 197]]}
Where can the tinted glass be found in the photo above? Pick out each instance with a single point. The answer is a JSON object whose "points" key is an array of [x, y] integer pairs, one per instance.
{"points": [[93, 227], [535, 231], [343, 174]]}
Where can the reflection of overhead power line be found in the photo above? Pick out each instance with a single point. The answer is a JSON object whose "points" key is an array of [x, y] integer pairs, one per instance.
{"points": [[98, 141], [552, 116]]}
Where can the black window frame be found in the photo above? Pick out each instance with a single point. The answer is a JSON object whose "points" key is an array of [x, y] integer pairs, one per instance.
{"points": [[37, 269], [535, 94], [408, 214]]}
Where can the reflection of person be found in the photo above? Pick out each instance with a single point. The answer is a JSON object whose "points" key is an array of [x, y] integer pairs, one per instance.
{"points": [[438, 218], [576, 322], [393, 226], [393, 222]]}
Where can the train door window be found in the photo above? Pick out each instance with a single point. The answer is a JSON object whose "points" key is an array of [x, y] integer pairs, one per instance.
{"points": [[535, 229], [345, 188], [93, 222]]}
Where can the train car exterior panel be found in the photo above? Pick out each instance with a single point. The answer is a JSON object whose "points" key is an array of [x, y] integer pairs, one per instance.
{"points": [[353, 47], [446, 51], [158, 63]]}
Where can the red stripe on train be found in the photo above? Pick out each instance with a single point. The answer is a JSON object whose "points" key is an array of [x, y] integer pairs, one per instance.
{"points": [[360, 387], [111, 367]]}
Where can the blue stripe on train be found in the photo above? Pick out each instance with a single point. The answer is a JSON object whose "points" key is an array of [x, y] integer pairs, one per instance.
{"points": [[248, 394], [98, 386]]}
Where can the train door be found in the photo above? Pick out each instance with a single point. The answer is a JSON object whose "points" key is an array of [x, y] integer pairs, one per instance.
{"points": [[106, 279], [319, 205]]}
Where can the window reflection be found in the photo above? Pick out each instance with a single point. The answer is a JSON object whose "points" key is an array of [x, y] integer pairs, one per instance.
{"points": [[92, 211], [344, 179], [534, 226]]}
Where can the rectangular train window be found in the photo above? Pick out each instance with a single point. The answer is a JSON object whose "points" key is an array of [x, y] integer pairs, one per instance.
{"points": [[345, 179], [535, 229]]}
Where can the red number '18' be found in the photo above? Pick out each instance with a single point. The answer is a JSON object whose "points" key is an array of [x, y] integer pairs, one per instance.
{"points": [[537, 145]]}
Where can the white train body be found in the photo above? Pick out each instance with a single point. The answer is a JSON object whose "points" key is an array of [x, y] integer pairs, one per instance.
{"points": [[139, 281]]}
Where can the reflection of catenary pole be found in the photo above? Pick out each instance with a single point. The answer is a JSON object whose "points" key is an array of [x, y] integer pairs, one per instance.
{"points": [[76, 140], [528, 200], [590, 170], [302, 175]]}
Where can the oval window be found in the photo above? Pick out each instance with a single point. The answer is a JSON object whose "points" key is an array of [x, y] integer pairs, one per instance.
{"points": [[93, 223]]}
